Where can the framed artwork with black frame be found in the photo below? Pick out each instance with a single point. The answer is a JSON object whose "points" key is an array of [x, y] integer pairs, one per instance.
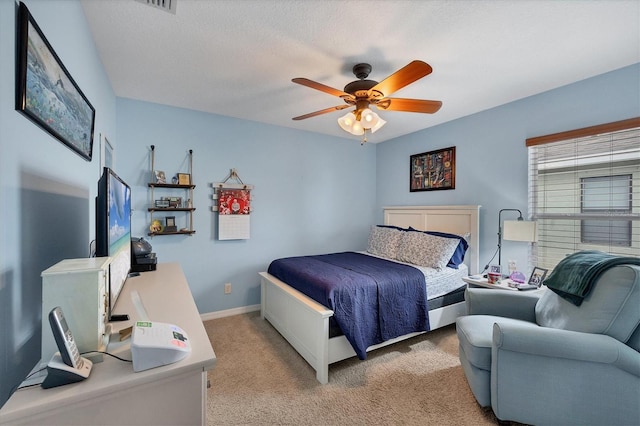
{"points": [[184, 179], [45, 91], [433, 170], [537, 276], [170, 224]]}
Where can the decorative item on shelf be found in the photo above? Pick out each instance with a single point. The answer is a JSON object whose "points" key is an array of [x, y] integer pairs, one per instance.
{"points": [[495, 274], [174, 180], [184, 179], [170, 224], [160, 176], [175, 202], [162, 203], [156, 226]]}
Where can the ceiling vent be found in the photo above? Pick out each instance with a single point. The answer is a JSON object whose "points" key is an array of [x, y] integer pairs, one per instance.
{"points": [[166, 5]]}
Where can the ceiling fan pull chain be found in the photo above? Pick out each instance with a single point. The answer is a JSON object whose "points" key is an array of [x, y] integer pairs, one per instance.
{"points": [[364, 138]]}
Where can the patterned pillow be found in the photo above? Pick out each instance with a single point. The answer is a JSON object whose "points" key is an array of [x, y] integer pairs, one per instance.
{"points": [[458, 255], [426, 249], [384, 241]]}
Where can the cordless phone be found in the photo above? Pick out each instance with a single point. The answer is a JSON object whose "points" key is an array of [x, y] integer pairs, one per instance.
{"points": [[64, 338], [66, 366]]}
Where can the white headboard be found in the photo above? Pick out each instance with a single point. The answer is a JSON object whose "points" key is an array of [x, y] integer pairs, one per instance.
{"points": [[459, 220]]}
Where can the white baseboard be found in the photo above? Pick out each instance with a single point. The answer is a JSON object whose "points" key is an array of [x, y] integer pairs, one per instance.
{"points": [[229, 312]]}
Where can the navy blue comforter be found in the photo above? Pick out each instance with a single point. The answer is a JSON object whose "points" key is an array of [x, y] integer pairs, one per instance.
{"points": [[373, 299]]}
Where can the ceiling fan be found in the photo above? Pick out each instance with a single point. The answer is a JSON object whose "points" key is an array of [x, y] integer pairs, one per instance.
{"points": [[363, 93]]}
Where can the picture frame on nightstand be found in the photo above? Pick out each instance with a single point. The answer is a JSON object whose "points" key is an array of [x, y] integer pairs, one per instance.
{"points": [[537, 276]]}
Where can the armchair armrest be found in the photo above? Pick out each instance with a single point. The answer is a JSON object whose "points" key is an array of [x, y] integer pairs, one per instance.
{"points": [[557, 343], [569, 377], [510, 304]]}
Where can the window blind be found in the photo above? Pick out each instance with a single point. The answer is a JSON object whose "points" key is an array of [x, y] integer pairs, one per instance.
{"points": [[584, 191]]}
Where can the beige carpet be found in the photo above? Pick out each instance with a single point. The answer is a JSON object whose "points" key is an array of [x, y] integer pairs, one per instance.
{"points": [[260, 380]]}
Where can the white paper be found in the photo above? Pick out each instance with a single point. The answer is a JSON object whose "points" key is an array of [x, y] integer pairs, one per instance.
{"points": [[234, 226]]}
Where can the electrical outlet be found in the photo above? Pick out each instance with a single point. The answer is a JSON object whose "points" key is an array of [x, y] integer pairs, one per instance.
{"points": [[227, 288]]}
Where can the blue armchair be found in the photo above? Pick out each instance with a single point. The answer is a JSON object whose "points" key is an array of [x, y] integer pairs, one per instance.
{"points": [[537, 358]]}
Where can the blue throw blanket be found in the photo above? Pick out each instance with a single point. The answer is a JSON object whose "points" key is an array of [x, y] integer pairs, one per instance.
{"points": [[373, 299], [575, 275]]}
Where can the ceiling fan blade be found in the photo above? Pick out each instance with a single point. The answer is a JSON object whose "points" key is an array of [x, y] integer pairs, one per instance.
{"points": [[401, 78], [409, 105], [323, 88], [322, 111]]}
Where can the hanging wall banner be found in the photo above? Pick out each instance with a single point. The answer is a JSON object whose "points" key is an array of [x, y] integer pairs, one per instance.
{"points": [[234, 207]]}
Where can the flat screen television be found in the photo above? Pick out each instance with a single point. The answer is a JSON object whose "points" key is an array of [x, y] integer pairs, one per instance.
{"points": [[113, 230]]}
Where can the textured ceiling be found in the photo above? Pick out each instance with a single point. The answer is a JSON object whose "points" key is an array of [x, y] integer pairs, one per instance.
{"points": [[237, 58]]}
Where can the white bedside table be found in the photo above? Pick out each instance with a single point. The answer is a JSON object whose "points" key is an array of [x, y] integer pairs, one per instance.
{"points": [[479, 281]]}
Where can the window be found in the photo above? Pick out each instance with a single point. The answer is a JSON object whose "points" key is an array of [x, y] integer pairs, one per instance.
{"points": [[609, 195], [584, 191]]}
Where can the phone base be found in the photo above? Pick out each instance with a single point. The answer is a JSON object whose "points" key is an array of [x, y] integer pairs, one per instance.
{"points": [[59, 373]]}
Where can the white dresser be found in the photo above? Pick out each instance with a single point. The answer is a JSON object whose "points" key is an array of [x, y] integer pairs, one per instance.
{"points": [[113, 394]]}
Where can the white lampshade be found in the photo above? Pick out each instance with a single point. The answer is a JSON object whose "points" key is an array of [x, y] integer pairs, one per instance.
{"points": [[519, 230], [378, 125], [357, 129], [347, 121], [368, 118]]}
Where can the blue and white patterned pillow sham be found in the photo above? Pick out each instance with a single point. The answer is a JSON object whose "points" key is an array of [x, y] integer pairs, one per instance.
{"points": [[384, 241], [458, 255], [427, 250]]}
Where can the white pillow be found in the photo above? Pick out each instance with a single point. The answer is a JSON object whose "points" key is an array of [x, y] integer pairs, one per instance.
{"points": [[384, 241], [426, 250]]}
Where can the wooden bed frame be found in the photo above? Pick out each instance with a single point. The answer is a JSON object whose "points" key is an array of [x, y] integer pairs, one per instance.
{"points": [[305, 323]]}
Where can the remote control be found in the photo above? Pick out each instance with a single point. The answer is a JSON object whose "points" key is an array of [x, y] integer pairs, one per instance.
{"points": [[526, 287]]}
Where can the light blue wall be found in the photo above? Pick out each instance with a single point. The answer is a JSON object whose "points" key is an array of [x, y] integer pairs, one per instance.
{"points": [[313, 194], [47, 190], [491, 157]]}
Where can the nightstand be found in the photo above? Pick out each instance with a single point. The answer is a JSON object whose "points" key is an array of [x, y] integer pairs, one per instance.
{"points": [[479, 281]]}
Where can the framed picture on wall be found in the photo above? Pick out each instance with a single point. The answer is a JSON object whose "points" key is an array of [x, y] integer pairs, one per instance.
{"points": [[433, 170], [45, 91], [107, 154]]}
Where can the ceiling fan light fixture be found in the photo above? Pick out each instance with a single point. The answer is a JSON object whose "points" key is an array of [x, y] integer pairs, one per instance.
{"points": [[378, 125], [357, 129], [368, 118], [347, 121]]}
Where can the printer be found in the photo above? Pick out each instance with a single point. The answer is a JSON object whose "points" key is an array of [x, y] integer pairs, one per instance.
{"points": [[142, 258], [154, 344]]}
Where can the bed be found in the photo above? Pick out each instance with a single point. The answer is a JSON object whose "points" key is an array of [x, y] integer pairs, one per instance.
{"points": [[307, 324]]}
